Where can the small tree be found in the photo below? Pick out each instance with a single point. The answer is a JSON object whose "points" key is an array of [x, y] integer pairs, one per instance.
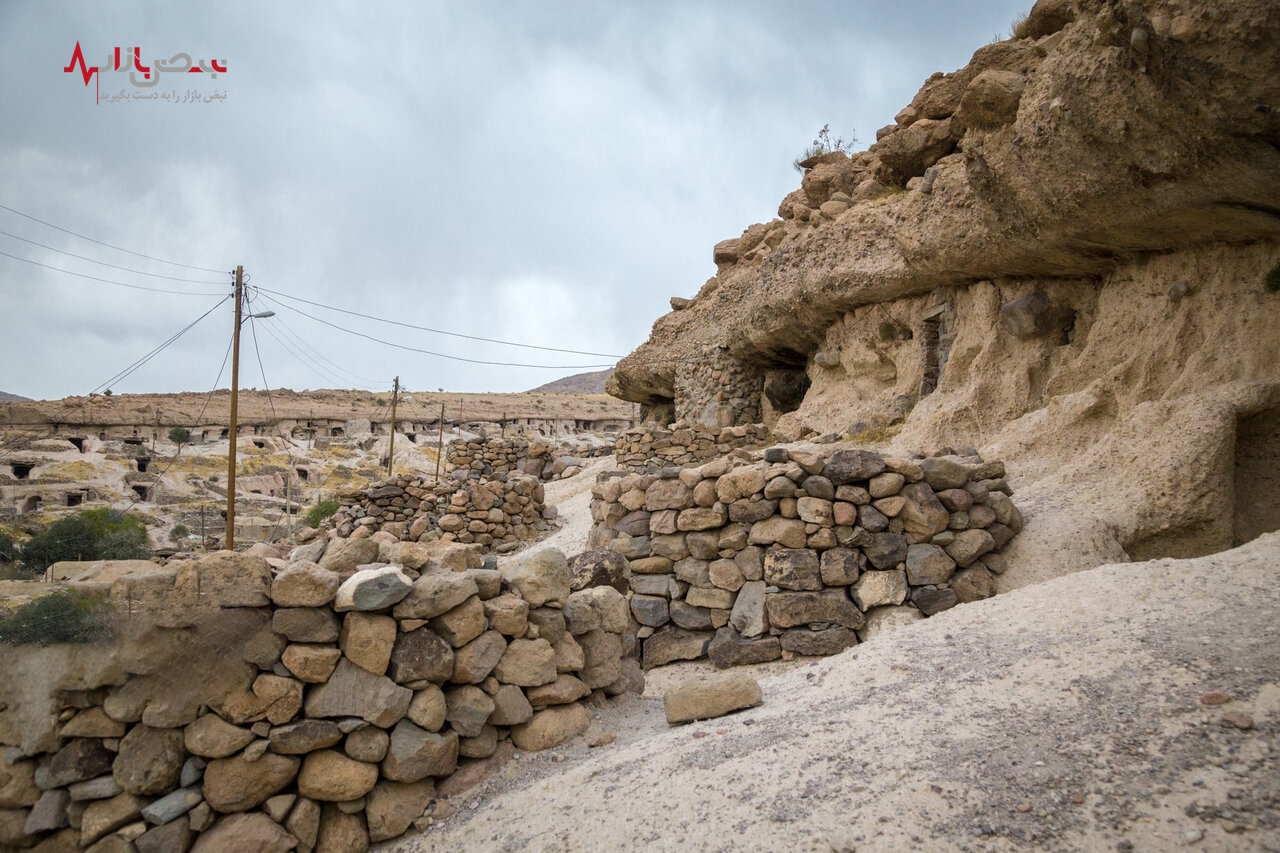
{"points": [[95, 534], [179, 435], [179, 533]]}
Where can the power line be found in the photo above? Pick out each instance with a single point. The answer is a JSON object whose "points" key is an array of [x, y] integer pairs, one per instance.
{"points": [[253, 330], [435, 331], [108, 245], [200, 417], [106, 280], [437, 354], [137, 364], [105, 264]]}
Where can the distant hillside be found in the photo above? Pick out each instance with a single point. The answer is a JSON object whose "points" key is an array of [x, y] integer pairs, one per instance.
{"points": [[579, 383], [14, 398]]}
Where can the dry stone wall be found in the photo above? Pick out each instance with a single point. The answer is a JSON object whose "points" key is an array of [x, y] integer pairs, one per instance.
{"points": [[497, 512], [653, 448], [486, 457], [322, 704], [800, 551], [718, 389]]}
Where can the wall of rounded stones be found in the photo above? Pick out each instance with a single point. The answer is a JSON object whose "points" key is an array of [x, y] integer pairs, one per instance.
{"points": [[498, 512], [486, 457], [718, 390], [652, 448], [322, 706], [800, 552]]}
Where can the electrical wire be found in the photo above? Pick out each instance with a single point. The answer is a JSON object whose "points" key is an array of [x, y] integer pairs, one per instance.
{"points": [[108, 245], [310, 364], [105, 264], [253, 331], [436, 331], [438, 354], [106, 280], [199, 418], [140, 362]]}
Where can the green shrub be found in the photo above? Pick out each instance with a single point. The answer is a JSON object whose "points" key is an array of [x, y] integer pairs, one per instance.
{"points": [[179, 533], [95, 534], [320, 512], [61, 617], [179, 435]]}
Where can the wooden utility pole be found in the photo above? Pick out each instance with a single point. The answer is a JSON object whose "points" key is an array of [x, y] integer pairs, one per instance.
{"points": [[391, 446], [440, 443], [235, 401]]}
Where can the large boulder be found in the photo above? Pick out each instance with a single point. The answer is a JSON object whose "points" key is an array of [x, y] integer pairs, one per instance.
{"points": [[541, 577], [344, 555], [238, 784], [149, 760], [224, 579], [710, 695], [355, 692], [373, 589], [304, 585], [600, 567]]}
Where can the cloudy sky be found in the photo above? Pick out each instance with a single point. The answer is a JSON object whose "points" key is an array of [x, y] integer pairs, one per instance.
{"points": [[545, 173]]}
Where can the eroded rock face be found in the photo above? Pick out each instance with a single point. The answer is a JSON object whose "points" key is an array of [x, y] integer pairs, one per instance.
{"points": [[1101, 132]]}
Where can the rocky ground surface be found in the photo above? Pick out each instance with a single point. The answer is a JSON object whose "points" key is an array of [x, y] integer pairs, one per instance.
{"points": [[1081, 713]]}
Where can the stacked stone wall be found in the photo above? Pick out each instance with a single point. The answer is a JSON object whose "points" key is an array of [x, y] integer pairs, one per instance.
{"points": [[497, 512], [487, 457], [718, 390], [313, 706], [652, 449], [800, 552]]}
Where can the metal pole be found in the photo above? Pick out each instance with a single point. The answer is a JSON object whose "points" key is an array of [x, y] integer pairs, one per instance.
{"points": [[391, 446], [440, 443], [235, 401]]}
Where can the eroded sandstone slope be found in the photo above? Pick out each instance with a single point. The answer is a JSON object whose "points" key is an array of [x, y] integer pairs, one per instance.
{"points": [[1066, 253]]}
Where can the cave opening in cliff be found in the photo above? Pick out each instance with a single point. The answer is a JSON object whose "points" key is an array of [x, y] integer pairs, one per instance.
{"points": [[143, 464], [143, 491], [1257, 476], [133, 442], [75, 498], [22, 470], [302, 473], [259, 444], [77, 442], [336, 432]]}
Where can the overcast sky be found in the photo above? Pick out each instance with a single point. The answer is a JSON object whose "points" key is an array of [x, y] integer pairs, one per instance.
{"points": [[544, 173]]}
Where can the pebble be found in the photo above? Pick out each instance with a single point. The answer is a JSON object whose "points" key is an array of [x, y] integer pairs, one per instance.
{"points": [[1239, 719], [1214, 697]]}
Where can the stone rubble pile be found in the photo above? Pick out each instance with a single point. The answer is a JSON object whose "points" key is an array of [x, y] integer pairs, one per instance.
{"points": [[497, 512], [487, 457], [331, 701], [800, 551], [651, 448]]}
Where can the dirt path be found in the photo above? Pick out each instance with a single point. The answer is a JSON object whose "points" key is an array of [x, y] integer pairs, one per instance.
{"points": [[1062, 716]]}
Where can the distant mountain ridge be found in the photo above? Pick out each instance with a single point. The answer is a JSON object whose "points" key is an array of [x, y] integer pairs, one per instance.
{"points": [[13, 398], [579, 383]]}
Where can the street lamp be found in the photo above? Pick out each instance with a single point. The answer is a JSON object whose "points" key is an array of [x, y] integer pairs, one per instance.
{"points": [[235, 401]]}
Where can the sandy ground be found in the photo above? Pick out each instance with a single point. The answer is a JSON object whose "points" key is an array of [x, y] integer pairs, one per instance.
{"points": [[1063, 716]]}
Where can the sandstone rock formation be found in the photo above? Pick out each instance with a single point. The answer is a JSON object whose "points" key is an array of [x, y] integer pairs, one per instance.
{"points": [[1059, 254]]}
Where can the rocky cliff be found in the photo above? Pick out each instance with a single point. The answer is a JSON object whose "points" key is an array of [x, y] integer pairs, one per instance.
{"points": [[1066, 253]]}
